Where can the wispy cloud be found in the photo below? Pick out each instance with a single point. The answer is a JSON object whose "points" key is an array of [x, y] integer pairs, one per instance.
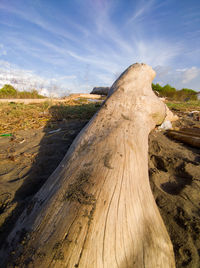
{"points": [[190, 74], [117, 48], [35, 18], [67, 77], [141, 10], [3, 51], [105, 35], [27, 80], [179, 78]]}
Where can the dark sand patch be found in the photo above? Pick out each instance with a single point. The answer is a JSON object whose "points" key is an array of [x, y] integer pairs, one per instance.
{"points": [[26, 161], [175, 181]]}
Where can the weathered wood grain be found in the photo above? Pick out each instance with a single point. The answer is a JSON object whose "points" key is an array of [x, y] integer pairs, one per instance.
{"points": [[97, 209]]}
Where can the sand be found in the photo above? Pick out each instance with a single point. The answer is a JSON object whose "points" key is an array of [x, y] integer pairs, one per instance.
{"points": [[28, 158]]}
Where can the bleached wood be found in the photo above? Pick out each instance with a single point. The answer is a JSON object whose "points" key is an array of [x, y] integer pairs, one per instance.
{"points": [[97, 209]]}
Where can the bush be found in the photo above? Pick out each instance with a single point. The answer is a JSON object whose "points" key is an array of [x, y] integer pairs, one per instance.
{"points": [[9, 91], [173, 94], [168, 91], [186, 94], [157, 87]]}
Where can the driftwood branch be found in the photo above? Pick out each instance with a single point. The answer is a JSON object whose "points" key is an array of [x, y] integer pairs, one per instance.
{"points": [[97, 208], [189, 136]]}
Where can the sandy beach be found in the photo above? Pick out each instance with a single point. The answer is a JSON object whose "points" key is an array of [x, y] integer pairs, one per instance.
{"points": [[30, 156]]}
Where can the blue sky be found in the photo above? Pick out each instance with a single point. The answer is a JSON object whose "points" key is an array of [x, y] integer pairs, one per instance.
{"points": [[67, 46]]}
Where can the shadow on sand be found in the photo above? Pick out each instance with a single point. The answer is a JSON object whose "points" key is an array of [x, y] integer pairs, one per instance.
{"points": [[50, 148]]}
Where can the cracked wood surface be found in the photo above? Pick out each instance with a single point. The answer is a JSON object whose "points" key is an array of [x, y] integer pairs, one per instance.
{"points": [[97, 209]]}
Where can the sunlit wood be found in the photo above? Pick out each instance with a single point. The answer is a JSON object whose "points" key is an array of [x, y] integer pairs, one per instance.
{"points": [[97, 209]]}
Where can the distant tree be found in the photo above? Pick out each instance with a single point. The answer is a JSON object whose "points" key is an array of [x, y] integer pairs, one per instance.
{"points": [[168, 91], [188, 91], [186, 94], [8, 90], [171, 93], [157, 87]]}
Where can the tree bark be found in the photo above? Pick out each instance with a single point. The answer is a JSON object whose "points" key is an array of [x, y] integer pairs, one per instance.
{"points": [[97, 209]]}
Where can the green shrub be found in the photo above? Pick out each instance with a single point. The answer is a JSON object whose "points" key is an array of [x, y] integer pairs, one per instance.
{"points": [[8, 91], [173, 94], [168, 91], [186, 94], [157, 87]]}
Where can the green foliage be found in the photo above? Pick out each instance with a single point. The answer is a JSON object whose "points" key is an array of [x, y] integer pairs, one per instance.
{"points": [[188, 91], [9, 92], [157, 87], [186, 94], [184, 106], [171, 93]]}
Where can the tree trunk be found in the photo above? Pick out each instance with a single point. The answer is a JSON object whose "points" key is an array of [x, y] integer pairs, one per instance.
{"points": [[97, 209]]}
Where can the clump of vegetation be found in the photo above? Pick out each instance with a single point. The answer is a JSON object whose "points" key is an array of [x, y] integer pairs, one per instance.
{"points": [[9, 92], [82, 111], [184, 106], [19, 116], [171, 93], [186, 93]]}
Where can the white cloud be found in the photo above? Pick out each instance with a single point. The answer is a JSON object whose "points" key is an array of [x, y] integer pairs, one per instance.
{"points": [[27, 80], [181, 70], [3, 51], [156, 52], [38, 20], [144, 7], [179, 78], [106, 79], [67, 77], [57, 86], [108, 48], [190, 74]]}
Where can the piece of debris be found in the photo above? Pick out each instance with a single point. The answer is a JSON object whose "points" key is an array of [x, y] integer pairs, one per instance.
{"points": [[6, 135], [22, 141], [195, 115], [165, 125], [193, 112], [54, 131]]}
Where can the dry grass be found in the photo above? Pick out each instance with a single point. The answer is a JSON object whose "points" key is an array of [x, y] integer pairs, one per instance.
{"points": [[19, 116]]}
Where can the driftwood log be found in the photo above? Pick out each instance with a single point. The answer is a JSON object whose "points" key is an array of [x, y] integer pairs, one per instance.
{"points": [[97, 209], [100, 90], [189, 136]]}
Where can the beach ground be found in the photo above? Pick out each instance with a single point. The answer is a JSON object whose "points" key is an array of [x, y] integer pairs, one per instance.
{"points": [[30, 154]]}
